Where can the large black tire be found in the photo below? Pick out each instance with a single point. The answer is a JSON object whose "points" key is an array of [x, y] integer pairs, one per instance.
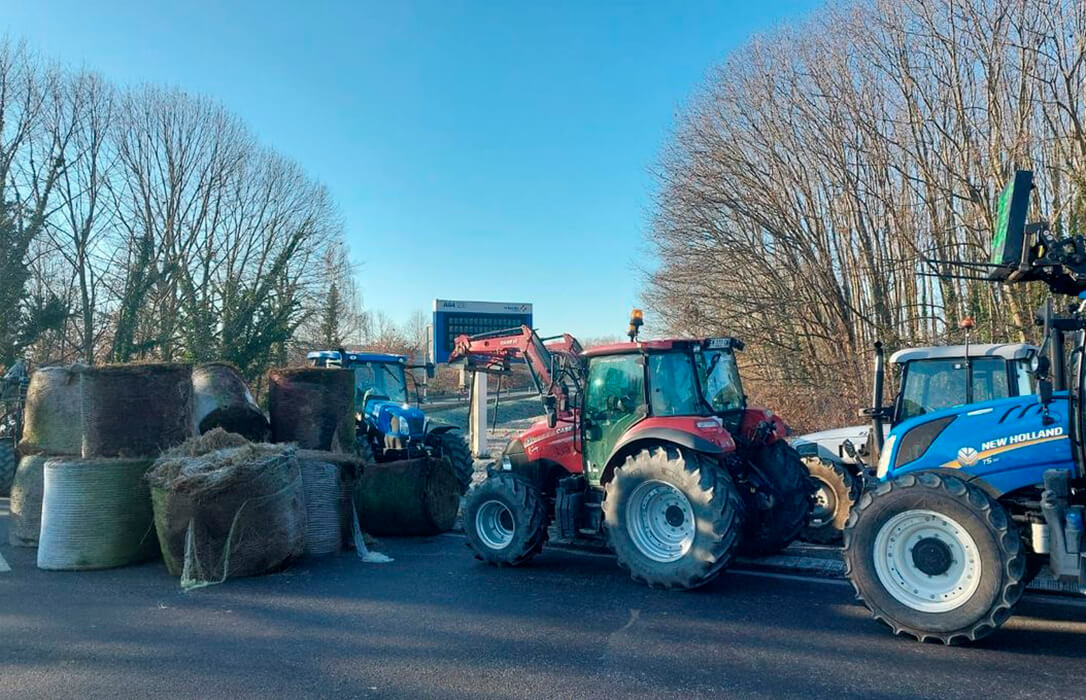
{"points": [[935, 532], [363, 449], [836, 491], [709, 515], [8, 462], [769, 530], [456, 449], [505, 520]]}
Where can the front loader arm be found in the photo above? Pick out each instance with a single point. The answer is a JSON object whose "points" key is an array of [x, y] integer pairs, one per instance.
{"points": [[551, 361]]}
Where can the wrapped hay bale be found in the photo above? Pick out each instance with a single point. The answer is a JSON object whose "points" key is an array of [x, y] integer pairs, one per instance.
{"points": [[136, 409], [408, 497], [26, 494], [323, 507], [96, 514], [222, 399], [228, 513], [313, 406], [52, 413], [349, 468]]}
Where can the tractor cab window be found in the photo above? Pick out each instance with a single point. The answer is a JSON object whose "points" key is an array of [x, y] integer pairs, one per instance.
{"points": [[615, 388], [382, 379], [720, 383], [931, 385], [673, 386]]}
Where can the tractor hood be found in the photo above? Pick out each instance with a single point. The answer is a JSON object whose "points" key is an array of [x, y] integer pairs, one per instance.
{"points": [[1003, 445], [829, 444], [391, 418]]}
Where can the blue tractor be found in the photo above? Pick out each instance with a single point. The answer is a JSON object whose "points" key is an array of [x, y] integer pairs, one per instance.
{"points": [[389, 427], [972, 501]]}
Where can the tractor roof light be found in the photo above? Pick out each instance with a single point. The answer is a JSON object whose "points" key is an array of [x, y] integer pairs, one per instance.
{"points": [[637, 319]]}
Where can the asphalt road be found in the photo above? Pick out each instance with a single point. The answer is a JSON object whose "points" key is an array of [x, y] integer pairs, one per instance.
{"points": [[435, 623]]}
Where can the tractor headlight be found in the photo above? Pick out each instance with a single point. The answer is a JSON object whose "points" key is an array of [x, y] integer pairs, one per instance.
{"points": [[405, 427], [917, 441], [884, 457]]}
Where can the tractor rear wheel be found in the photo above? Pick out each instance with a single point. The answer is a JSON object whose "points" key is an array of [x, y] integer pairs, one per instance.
{"points": [[935, 558], [673, 517], [505, 520], [454, 447], [8, 462], [771, 529], [836, 491]]}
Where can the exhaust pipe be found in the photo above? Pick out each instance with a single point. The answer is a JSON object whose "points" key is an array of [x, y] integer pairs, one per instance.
{"points": [[876, 398]]}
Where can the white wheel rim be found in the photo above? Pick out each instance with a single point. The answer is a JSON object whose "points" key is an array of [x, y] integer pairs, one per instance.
{"points": [[660, 521], [825, 504], [495, 525], [943, 543]]}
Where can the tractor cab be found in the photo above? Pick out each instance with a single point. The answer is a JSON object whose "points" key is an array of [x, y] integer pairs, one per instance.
{"points": [[928, 379], [690, 387]]}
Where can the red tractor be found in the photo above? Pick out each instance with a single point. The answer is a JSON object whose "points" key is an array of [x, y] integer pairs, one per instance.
{"points": [[649, 445]]}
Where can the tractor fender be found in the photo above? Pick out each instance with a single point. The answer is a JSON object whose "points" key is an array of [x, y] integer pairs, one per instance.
{"points": [[441, 429], [656, 435], [963, 476]]}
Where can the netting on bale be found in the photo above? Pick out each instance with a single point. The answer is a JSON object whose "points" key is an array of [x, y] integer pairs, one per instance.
{"points": [[408, 497], [222, 399], [349, 468], [227, 513], [26, 494], [96, 514], [313, 407], [135, 409], [51, 423], [323, 507]]}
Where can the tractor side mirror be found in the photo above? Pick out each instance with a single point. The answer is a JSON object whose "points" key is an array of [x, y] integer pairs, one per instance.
{"points": [[550, 404], [1044, 391]]}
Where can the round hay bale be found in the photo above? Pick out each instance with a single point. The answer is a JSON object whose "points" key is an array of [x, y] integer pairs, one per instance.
{"points": [[26, 494], [408, 497], [52, 414], [222, 399], [96, 514], [323, 507], [313, 406], [232, 512], [135, 410]]}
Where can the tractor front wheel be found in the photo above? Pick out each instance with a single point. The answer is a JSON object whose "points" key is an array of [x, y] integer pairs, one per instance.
{"points": [[505, 520], [673, 517], [451, 445], [935, 558], [836, 491], [8, 463]]}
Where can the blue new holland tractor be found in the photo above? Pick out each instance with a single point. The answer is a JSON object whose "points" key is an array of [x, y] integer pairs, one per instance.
{"points": [[389, 427], [972, 501]]}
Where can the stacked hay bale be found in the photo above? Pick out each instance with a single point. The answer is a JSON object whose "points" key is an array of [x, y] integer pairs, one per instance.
{"points": [[226, 508], [51, 429], [96, 510], [313, 407], [329, 481], [222, 399]]}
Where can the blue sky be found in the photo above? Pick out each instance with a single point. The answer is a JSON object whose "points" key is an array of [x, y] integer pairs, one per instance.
{"points": [[478, 150]]}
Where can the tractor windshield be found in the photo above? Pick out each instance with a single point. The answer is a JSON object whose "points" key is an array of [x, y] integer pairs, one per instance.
{"points": [[382, 379], [720, 383]]}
